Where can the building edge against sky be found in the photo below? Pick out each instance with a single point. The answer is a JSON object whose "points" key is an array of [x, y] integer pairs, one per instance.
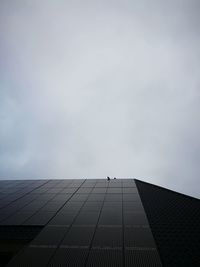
{"points": [[97, 222]]}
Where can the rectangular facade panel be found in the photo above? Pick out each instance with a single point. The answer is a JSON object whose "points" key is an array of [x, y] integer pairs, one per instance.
{"points": [[69, 257], [32, 257], [108, 237], [105, 258], [50, 236], [78, 236]]}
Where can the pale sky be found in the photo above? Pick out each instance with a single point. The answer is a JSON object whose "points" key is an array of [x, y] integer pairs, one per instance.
{"points": [[90, 89]]}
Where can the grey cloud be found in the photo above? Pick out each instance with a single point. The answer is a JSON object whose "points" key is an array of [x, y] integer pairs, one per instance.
{"points": [[90, 89]]}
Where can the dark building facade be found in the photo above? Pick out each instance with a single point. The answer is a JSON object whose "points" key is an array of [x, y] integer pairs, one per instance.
{"points": [[97, 222]]}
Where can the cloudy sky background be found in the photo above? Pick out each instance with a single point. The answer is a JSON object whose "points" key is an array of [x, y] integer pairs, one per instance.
{"points": [[96, 88]]}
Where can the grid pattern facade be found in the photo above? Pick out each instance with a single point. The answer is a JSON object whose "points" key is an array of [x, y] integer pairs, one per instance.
{"points": [[84, 223]]}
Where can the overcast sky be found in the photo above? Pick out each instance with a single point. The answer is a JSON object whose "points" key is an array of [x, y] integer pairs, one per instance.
{"points": [[96, 88]]}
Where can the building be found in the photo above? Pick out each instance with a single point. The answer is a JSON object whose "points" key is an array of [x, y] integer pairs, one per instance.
{"points": [[97, 222]]}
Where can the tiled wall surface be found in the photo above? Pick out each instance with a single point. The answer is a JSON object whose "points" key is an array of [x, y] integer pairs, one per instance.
{"points": [[91, 222]]}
